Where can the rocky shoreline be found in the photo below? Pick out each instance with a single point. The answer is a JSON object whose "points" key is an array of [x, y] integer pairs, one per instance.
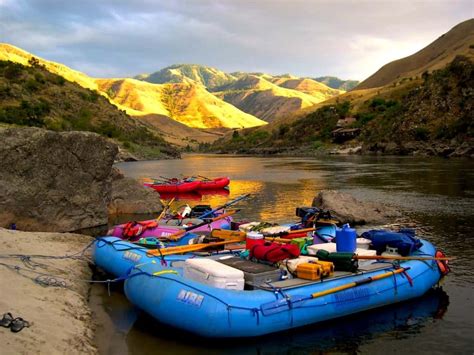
{"points": [[427, 149]]}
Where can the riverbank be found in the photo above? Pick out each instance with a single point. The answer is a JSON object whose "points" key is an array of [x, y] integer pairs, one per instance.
{"points": [[424, 149], [60, 318]]}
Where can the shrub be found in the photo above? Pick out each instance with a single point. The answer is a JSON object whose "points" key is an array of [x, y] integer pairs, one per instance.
{"points": [[421, 133], [12, 71], [31, 85]]}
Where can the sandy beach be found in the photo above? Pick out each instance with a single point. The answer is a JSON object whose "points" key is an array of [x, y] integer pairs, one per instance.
{"points": [[60, 318]]}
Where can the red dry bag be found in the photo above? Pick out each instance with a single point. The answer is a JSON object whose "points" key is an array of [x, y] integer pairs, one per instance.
{"points": [[274, 252]]}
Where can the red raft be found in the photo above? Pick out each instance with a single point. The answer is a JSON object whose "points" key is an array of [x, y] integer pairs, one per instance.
{"points": [[214, 184], [179, 186]]}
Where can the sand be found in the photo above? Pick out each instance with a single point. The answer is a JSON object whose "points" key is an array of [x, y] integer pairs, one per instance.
{"points": [[61, 321]]}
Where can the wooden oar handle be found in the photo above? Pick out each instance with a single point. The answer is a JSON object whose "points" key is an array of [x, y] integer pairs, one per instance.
{"points": [[357, 283], [395, 257], [182, 249]]}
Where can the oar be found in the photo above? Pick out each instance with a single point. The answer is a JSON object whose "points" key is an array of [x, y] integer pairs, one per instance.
{"points": [[278, 240], [167, 206], [182, 232], [182, 249], [395, 257], [285, 304], [290, 232], [357, 283], [228, 234], [230, 203], [205, 178]]}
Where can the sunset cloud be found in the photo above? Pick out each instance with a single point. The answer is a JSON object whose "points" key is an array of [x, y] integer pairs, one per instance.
{"points": [[350, 39]]}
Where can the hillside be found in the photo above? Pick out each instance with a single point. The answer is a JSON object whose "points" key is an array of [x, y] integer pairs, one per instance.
{"points": [[336, 83], [179, 134], [311, 87], [262, 95], [34, 96], [9, 52], [458, 41], [430, 115], [180, 102], [186, 103], [189, 73], [267, 100]]}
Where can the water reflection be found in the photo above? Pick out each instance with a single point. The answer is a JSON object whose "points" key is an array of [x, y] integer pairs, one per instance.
{"points": [[141, 334]]}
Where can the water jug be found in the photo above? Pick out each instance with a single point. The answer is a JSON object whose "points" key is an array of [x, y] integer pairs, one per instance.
{"points": [[346, 239]]}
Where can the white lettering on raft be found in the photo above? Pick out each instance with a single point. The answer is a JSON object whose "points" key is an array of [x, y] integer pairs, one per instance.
{"points": [[132, 256], [190, 298]]}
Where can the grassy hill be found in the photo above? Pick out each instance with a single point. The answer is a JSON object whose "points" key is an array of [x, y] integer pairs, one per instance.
{"points": [[458, 41], [269, 100], [189, 73], [422, 114], [336, 83], [33, 96], [187, 103], [262, 95]]}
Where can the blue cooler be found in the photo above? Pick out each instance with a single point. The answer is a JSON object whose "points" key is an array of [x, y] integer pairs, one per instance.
{"points": [[346, 239]]}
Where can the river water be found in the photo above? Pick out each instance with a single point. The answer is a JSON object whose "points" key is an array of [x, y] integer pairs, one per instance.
{"points": [[437, 194]]}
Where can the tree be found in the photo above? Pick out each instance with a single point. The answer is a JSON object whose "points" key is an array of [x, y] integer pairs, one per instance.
{"points": [[34, 62], [235, 134]]}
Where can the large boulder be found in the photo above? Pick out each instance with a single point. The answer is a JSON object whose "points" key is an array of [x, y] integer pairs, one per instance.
{"points": [[131, 197], [347, 209], [54, 181]]}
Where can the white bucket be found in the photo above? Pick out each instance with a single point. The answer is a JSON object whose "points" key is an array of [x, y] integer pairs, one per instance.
{"points": [[363, 243]]}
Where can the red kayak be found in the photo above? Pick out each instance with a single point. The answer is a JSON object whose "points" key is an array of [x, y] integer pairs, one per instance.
{"points": [[181, 186], [217, 183]]}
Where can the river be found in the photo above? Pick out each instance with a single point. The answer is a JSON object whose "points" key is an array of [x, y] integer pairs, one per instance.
{"points": [[438, 194]]}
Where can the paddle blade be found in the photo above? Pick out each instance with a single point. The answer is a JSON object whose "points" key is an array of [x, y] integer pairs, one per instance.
{"points": [[282, 305]]}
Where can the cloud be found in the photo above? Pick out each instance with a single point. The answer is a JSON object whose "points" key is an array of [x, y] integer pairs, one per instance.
{"points": [[125, 37]]}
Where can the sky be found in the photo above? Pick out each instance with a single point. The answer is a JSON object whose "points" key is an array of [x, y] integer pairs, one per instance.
{"points": [[122, 38]]}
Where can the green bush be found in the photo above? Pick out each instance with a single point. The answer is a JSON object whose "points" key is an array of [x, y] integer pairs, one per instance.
{"points": [[13, 71], [40, 78], [421, 133], [31, 85]]}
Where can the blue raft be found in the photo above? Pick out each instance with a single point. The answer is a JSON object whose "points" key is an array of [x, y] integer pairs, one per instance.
{"points": [[165, 294], [118, 257]]}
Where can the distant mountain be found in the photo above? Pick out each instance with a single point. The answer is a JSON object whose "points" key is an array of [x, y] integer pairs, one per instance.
{"points": [[267, 100], [458, 41], [267, 97], [336, 83], [316, 89], [428, 116], [189, 73], [429, 113], [188, 103]]}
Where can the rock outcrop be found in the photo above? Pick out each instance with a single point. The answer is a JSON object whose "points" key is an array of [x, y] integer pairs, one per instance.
{"points": [[347, 209], [130, 197], [51, 181]]}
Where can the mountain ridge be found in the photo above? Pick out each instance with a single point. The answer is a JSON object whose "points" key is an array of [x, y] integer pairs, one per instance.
{"points": [[457, 41]]}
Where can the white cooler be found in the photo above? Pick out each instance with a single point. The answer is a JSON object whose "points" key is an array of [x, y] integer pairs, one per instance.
{"points": [[329, 247], [365, 252], [214, 273]]}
